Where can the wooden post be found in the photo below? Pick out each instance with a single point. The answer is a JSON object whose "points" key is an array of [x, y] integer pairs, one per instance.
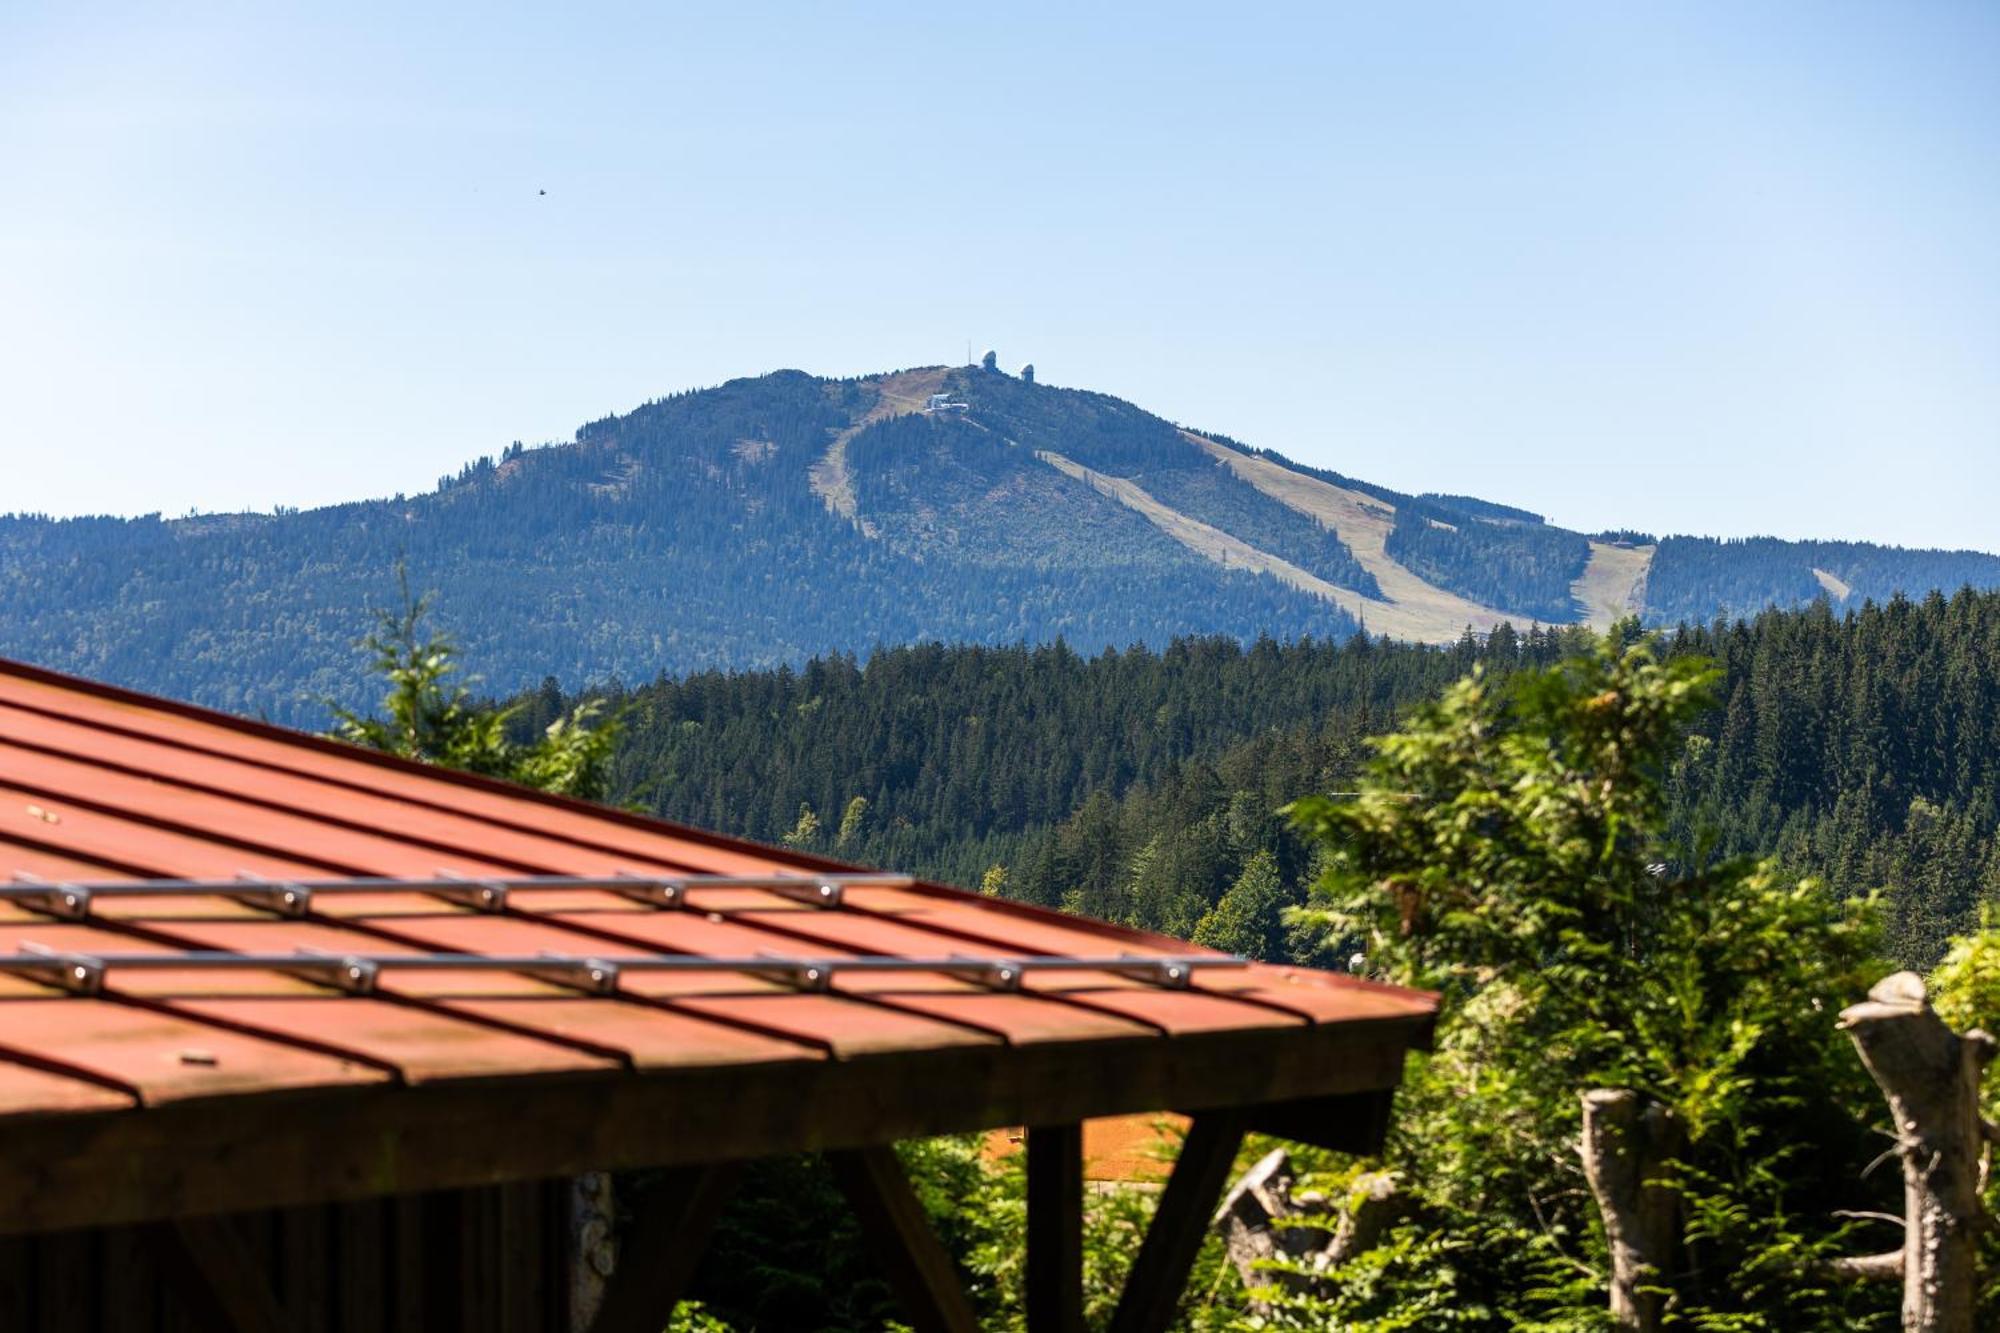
{"points": [[1154, 1287], [1628, 1142], [592, 1258], [918, 1267], [211, 1270], [1055, 1228], [668, 1236], [1930, 1076]]}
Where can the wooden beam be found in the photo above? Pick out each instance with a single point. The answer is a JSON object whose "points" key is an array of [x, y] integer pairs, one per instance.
{"points": [[210, 1268], [1351, 1122], [1054, 1287], [919, 1269], [261, 1152], [663, 1248], [1154, 1287]]}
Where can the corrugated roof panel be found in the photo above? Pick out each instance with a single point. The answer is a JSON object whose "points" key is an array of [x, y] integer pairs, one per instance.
{"points": [[521, 850], [98, 785], [198, 731], [139, 848], [848, 1027], [25, 1090], [1175, 1012], [652, 1037], [164, 1057], [1024, 1020], [255, 828], [422, 1044]]}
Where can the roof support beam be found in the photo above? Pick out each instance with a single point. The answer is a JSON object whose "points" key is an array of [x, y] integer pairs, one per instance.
{"points": [[659, 1259], [1055, 1228], [1155, 1285], [1354, 1122], [211, 1269], [918, 1267], [352, 1143]]}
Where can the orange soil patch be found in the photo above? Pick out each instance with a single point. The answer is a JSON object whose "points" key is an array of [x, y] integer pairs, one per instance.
{"points": [[1122, 1149]]}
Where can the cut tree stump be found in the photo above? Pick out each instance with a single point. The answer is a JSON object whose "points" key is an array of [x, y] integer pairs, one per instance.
{"points": [[1931, 1077], [1261, 1220], [1628, 1143]]}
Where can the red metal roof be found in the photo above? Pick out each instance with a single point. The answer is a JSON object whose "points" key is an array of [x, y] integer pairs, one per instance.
{"points": [[100, 786]]}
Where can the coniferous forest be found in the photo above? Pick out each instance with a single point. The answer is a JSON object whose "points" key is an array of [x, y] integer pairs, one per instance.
{"points": [[1144, 786], [773, 519], [1821, 787]]}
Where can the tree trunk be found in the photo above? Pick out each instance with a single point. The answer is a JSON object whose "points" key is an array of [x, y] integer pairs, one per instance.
{"points": [[1628, 1143], [1931, 1076], [1371, 1207], [1253, 1220], [1261, 1220], [593, 1248]]}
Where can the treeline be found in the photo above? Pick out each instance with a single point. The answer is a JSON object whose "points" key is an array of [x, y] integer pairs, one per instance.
{"points": [[679, 537], [1143, 786], [958, 753], [1523, 568], [714, 530], [1864, 748], [1697, 578], [1496, 554]]}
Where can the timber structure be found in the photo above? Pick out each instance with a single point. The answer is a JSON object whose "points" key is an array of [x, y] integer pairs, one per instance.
{"points": [[297, 1036]]}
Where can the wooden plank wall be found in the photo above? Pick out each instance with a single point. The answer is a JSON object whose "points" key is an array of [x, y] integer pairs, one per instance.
{"points": [[489, 1260]]}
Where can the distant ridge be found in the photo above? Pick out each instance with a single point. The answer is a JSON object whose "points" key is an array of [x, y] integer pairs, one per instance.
{"points": [[768, 520]]}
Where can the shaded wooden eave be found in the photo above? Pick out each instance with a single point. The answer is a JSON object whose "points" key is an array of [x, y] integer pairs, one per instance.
{"points": [[275, 1150]]}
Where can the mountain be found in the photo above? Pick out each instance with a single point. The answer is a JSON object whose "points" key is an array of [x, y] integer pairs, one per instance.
{"points": [[771, 519]]}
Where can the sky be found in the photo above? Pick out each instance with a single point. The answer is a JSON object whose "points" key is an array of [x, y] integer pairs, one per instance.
{"points": [[1727, 268]]}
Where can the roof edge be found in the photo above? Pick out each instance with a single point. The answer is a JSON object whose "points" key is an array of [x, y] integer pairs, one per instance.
{"points": [[451, 776]]}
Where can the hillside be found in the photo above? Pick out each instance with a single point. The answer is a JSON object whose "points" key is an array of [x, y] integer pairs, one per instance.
{"points": [[1863, 748], [770, 519]]}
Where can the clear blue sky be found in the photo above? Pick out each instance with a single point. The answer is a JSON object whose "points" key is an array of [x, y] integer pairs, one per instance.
{"points": [[1725, 268]]}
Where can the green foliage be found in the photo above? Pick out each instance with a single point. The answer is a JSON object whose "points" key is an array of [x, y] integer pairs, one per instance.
{"points": [[1864, 749], [1965, 990], [686, 536], [1501, 557], [1861, 750], [1216, 496], [805, 829], [851, 820], [427, 716], [680, 537], [1055, 765], [1491, 836], [1413, 1281], [787, 1253], [693, 1317], [1701, 578], [1249, 918], [1505, 848]]}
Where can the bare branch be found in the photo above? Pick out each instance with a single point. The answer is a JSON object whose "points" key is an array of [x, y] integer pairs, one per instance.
{"points": [[1869, 1268]]}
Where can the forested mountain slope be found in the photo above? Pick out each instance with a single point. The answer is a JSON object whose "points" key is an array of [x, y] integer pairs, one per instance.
{"points": [[771, 519], [1143, 786]]}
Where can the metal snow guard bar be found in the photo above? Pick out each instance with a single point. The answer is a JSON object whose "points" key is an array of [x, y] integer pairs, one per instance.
{"points": [[71, 899], [84, 973]]}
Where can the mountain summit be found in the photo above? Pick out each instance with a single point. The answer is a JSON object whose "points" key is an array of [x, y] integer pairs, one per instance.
{"points": [[770, 519]]}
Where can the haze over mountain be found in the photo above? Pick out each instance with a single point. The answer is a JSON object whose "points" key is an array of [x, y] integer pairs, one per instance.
{"points": [[774, 518]]}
